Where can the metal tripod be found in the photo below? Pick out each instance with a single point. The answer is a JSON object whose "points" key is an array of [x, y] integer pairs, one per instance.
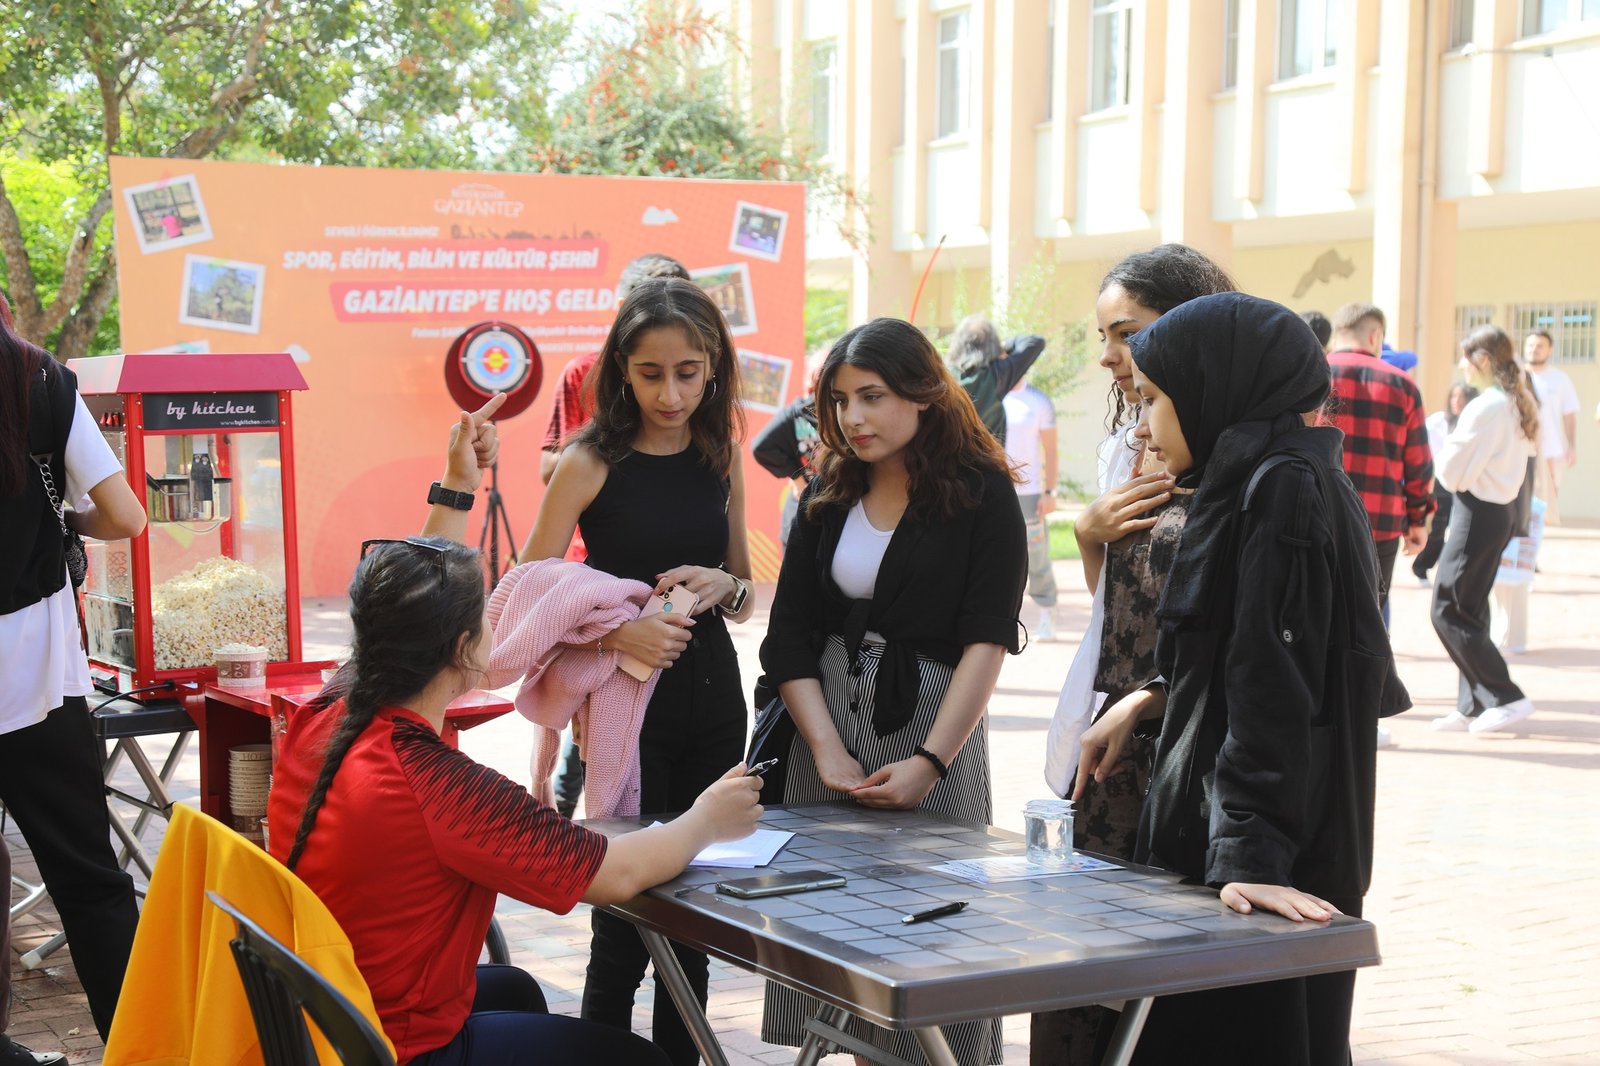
{"points": [[495, 519]]}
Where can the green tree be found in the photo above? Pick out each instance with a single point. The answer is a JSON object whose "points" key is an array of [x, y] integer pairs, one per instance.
{"points": [[827, 316], [654, 98], [47, 198], [423, 83]]}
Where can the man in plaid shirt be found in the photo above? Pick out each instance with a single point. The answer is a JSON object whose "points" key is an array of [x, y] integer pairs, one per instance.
{"points": [[1386, 452]]}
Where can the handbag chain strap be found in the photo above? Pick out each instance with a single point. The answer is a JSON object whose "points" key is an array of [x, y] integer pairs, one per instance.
{"points": [[50, 490]]}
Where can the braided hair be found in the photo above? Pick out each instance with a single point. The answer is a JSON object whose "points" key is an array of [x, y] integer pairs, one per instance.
{"points": [[1495, 346], [411, 606]]}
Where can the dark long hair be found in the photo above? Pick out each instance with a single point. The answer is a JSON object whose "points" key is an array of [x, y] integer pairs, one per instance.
{"points": [[19, 362], [1162, 278], [1468, 394], [409, 623], [1493, 343], [717, 425], [951, 442]]}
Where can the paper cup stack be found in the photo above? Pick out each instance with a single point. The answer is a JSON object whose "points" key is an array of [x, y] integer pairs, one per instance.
{"points": [[249, 780]]}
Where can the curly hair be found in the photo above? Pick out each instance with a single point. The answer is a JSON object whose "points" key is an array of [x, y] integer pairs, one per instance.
{"points": [[1494, 344], [951, 443], [717, 425]]}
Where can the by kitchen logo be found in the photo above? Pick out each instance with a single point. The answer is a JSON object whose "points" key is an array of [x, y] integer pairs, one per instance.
{"points": [[479, 200]]}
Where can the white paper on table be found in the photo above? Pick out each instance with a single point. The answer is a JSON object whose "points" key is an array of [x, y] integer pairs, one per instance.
{"points": [[1018, 868], [746, 853]]}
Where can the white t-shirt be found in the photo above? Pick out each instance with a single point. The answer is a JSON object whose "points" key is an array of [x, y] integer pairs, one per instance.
{"points": [[1558, 397], [41, 655], [1486, 454], [1029, 413], [1438, 427]]}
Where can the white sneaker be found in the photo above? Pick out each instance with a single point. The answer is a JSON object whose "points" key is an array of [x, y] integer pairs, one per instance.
{"points": [[1496, 719], [1454, 722], [1384, 739], [1046, 629]]}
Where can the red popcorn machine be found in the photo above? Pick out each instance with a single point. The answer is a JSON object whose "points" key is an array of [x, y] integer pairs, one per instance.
{"points": [[207, 441]]}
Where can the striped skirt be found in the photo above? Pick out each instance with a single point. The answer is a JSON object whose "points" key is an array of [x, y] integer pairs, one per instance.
{"points": [[963, 796]]}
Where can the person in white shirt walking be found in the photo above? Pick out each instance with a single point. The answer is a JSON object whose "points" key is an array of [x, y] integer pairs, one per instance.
{"points": [[1558, 419], [1030, 444], [1483, 461]]}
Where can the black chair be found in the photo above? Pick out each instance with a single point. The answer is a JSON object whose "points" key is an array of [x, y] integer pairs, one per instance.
{"points": [[280, 986]]}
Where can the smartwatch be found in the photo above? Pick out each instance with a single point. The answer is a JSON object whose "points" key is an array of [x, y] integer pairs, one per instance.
{"points": [[738, 597], [461, 501]]}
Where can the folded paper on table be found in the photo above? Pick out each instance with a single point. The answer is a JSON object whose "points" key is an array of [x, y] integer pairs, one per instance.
{"points": [[1018, 868]]}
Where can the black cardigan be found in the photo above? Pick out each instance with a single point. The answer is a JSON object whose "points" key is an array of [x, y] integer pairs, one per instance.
{"points": [[944, 584]]}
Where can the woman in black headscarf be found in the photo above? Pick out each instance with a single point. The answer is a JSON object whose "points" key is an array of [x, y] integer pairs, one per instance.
{"points": [[1275, 662]]}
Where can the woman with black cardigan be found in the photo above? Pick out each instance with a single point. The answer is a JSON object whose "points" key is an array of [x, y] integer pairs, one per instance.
{"points": [[897, 602]]}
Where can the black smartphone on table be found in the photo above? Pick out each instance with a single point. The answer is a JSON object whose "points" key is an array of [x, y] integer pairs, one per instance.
{"points": [[780, 884]]}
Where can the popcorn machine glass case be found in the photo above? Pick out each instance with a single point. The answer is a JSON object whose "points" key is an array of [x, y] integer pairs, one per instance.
{"points": [[207, 441]]}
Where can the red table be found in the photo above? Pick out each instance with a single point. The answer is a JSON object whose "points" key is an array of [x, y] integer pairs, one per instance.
{"points": [[227, 717]]}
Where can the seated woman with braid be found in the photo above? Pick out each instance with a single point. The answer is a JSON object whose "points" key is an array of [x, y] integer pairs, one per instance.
{"points": [[409, 841]]}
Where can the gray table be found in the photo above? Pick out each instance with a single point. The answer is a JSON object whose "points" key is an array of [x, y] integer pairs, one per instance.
{"points": [[1020, 947]]}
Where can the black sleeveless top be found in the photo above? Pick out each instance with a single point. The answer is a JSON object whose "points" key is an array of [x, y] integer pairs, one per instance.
{"points": [[32, 564], [656, 512]]}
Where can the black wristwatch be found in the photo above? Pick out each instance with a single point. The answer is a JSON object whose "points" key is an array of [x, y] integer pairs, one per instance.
{"points": [[461, 501]]}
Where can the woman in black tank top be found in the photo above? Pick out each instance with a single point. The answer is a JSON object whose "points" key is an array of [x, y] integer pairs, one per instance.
{"points": [[655, 483]]}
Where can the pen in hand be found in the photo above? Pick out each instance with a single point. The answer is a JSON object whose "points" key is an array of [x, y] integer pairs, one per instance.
{"points": [[760, 768], [937, 912]]}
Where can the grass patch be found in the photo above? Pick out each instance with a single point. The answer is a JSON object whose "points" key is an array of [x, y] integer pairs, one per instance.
{"points": [[1063, 545]]}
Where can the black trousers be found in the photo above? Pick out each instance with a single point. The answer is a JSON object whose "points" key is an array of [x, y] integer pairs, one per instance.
{"points": [[1386, 550], [52, 783], [694, 732], [1428, 557], [1479, 532]]}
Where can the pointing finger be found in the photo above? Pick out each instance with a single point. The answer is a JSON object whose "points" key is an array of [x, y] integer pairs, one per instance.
{"points": [[486, 412]]}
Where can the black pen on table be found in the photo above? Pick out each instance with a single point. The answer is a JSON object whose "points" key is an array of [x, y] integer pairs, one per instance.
{"points": [[760, 768], [937, 912]]}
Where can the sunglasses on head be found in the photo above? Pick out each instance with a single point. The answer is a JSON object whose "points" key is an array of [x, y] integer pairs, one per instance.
{"points": [[435, 551]]}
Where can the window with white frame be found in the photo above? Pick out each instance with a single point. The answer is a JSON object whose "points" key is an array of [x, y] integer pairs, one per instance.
{"points": [[1547, 16], [1470, 316], [1230, 44], [1461, 16], [1112, 39], [1571, 327], [1308, 36], [954, 74], [824, 94]]}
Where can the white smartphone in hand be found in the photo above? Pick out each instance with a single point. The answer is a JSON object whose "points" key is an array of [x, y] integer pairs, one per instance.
{"points": [[680, 600]]}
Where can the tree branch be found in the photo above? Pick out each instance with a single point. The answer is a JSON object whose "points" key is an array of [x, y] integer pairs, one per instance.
{"points": [[24, 285], [76, 270], [229, 101], [78, 332]]}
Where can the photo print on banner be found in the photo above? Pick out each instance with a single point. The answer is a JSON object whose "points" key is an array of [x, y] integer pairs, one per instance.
{"points": [[764, 380], [168, 213], [729, 288], [758, 231], [222, 294]]}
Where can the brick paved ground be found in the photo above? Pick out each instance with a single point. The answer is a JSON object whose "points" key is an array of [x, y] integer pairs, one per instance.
{"points": [[1488, 852]]}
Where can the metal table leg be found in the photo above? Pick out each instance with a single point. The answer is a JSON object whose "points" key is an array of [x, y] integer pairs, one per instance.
{"points": [[669, 973], [935, 1048], [1126, 1035], [816, 1044]]}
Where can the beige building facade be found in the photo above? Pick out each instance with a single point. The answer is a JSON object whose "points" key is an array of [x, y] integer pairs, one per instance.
{"points": [[1438, 157]]}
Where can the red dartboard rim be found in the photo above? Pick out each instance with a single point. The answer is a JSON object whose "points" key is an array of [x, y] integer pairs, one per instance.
{"points": [[469, 396]]}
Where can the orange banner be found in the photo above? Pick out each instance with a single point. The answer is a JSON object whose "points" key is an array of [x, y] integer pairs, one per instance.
{"points": [[367, 276]]}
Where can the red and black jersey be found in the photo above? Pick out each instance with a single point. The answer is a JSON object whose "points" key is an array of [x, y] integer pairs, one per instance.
{"points": [[1386, 452], [411, 847]]}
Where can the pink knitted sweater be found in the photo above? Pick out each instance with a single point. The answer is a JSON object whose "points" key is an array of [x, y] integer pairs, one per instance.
{"points": [[537, 608]]}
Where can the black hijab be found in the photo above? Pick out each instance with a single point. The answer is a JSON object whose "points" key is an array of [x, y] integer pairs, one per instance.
{"points": [[1240, 371]]}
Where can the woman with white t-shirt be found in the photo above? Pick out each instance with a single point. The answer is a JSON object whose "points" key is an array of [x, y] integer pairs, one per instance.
{"points": [[1483, 461], [50, 777]]}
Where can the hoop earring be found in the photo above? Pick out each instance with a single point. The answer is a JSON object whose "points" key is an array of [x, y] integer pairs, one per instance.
{"points": [[619, 402], [713, 394]]}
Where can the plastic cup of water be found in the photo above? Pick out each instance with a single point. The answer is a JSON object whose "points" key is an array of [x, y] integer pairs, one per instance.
{"points": [[1048, 826]]}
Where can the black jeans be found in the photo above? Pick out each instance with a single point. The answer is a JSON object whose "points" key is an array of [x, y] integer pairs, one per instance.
{"points": [[694, 732], [1386, 551], [1479, 532], [52, 783], [509, 1026]]}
